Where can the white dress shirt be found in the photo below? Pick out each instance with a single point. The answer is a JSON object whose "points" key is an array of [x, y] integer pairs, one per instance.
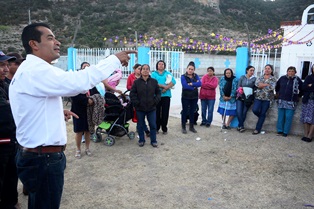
{"points": [[36, 93]]}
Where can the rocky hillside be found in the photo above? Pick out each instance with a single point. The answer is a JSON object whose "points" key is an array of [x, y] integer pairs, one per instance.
{"points": [[100, 22]]}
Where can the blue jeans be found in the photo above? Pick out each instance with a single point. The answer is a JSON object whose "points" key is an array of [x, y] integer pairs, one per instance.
{"points": [[259, 109], [151, 117], [284, 121], [207, 106], [241, 113], [145, 127], [186, 103], [43, 176]]}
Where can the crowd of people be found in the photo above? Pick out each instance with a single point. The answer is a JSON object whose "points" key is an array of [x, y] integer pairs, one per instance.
{"points": [[32, 142]]}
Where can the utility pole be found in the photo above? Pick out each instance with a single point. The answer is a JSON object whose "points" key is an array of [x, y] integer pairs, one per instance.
{"points": [[29, 12], [29, 16], [248, 43], [78, 26], [136, 41]]}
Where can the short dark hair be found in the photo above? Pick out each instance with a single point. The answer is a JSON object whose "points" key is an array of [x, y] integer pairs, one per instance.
{"points": [[145, 65], [292, 68], [31, 32], [83, 63], [230, 71], [272, 69], [159, 62], [211, 68], [136, 66], [248, 67], [191, 64]]}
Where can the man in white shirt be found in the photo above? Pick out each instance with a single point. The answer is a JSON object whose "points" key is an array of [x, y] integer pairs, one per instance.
{"points": [[35, 96]]}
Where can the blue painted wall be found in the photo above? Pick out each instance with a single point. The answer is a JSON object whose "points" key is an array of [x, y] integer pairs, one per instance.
{"points": [[242, 59], [72, 52]]}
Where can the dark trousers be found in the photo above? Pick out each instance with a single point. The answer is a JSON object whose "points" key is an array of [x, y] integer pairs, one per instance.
{"points": [[162, 113], [43, 176], [8, 176], [188, 108]]}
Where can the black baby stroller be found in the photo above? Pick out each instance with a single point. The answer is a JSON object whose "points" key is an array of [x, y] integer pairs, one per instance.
{"points": [[118, 110]]}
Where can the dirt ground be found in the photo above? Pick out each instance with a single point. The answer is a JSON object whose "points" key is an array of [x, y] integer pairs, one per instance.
{"points": [[221, 170]]}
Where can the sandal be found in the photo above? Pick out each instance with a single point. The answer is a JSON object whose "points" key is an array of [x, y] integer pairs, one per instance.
{"points": [[88, 152], [78, 154], [306, 139]]}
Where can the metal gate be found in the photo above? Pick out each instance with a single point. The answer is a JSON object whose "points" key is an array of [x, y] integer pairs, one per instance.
{"points": [[260, 58], [93, 56], [174, 60]]}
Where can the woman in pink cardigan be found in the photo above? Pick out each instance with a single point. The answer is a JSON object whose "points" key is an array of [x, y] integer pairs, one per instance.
{"points": [[208, 96]]}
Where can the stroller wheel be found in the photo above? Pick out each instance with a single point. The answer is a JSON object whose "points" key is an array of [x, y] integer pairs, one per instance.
{"points": [[131, 135], [109, 141]]}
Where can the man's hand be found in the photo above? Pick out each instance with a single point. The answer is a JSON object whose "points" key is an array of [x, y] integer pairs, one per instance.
{"points": [[124, 56], [90, 102], [68, 114], [118, 91]]}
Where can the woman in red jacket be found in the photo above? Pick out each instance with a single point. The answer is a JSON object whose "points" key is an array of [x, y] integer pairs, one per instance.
{"points": [[208, 96], [133, 76]]}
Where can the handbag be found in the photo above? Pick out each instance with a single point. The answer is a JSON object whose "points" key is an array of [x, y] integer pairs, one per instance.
{"points": [[134, 118]]}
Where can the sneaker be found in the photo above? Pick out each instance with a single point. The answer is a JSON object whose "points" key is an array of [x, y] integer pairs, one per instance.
{"points": [[284, 135], [241, 130], [238, 128], [202, 124], [207, 125], [255, 132], [224, 127], [164, 132], [193, 130], [184, 131], [141, 144]]}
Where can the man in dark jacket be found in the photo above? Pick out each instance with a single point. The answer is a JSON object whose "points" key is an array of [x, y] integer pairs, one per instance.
{"points": [[8, 145], [145, 95]]}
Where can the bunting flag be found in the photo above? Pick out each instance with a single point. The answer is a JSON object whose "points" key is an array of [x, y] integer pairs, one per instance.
{"points": [[272, 40]]}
